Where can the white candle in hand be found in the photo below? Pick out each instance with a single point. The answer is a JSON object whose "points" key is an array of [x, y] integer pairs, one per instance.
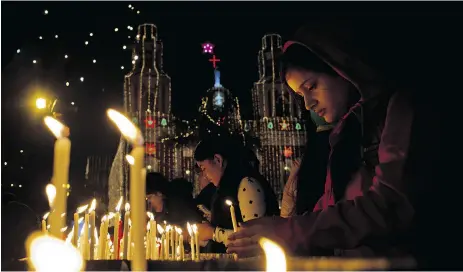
{"points": [[233, 215], [61, 161]]}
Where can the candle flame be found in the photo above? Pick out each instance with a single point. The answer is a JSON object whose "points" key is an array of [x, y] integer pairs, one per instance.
{"points": [[119, 204], [130, 222], [45, 216], [274, 255], [92, 206], [179, 231], [104, 218], [130, 159], [228, 202], [148, 226], [150, 215], [56, 127], [111, 215], [127, 128], [160, 229], [50, 190], [47, 253], [63, 214], [70, 236], [195, 228], [64, 229], [190, 230], [127, 206], [82, 209]]}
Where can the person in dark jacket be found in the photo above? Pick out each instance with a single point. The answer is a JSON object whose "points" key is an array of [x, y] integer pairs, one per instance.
{"points": [[204, 198], [367, 206], [222, 161]]}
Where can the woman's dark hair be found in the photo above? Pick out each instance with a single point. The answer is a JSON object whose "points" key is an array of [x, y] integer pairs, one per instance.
{"points": [[156, 182], [180, 188]]}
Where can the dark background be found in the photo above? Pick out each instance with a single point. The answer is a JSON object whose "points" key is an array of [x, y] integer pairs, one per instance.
{"points": [[412, 42]]}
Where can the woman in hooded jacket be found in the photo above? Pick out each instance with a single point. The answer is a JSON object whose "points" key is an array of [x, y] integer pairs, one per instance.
{"points": [[369, 201]]}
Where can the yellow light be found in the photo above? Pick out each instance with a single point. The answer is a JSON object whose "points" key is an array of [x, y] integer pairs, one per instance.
{"points": [[130, 6], [65, 56], [228, 202], [127, 128], [116, 29], [50, 190], [34, 61], [12, 185], [122, 67], [47, 253], [187, 172], [124, 47], [45, 12], [133, 62], [82, 209], [138, 12], [274, 255], [18, 51], [41, 103], [127, 207], [82, 79], [86, 42], [56, 127], [130, 159], [136, 57], [94, 60], [72, 103], [92, 206], [67, 83]]}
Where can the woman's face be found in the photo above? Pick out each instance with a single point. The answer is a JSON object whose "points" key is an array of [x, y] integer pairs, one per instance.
{"points": [[324, 94], [213, 169], [155, 200]]}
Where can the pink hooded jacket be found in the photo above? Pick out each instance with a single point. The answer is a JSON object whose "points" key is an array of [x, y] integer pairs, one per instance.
{"points": [[369, 214]]}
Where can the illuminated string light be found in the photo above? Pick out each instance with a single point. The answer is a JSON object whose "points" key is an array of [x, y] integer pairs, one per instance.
{"points": [[122, 67], [40, 37], [130, 6], [67, 83], [82, 79], [45, 12], [18, 51], [34, 61], [86, 42], [72, 103], [65, 56], [91, 34], [135, 57], [138, 12], [116, 29], [124, 47], [56, 36], [94, 60]]}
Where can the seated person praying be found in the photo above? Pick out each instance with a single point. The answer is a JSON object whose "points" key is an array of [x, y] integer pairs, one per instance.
{"points": [[222, 162]]}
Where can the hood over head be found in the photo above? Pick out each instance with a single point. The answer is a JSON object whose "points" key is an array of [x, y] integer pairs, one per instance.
{"points": [[334, 47]]}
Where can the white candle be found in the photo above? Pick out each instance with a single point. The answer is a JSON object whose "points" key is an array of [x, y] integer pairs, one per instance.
{"points": [[125, 235], [163, 237], [233, 215], [61, 161], [196, 232], [192, 241], [117, 220], [151, 237], [92, 230], [44, 223], [172, 242], [84, 244], [180, 244], [147, 241], [137, 185], [129, 242]]}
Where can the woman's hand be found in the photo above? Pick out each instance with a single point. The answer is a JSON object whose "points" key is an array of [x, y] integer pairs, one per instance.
{"points": [[205, 231], [245, 242]]}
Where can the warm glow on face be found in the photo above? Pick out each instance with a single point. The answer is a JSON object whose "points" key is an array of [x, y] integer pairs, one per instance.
{"points": [[228, 202], [41, 103], [50, 190], [47, 253], [57, 128], [92, 206], [119, 204], [127, 128], [274, 254], [82, 209], [130, 159]]}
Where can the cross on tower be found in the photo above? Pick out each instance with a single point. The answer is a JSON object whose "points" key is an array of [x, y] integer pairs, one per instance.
{"points": [[214, 60]]}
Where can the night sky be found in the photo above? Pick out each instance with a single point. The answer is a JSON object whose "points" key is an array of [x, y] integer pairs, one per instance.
{"points": [[402, 38]]}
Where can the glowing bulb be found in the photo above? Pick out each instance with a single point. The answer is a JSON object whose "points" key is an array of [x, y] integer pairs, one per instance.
{"points": [[133, 62], [20, 186], [133, 8], [122, 67], [12, 185], [5, 163], [187, 172], [65, 56], [128, 27], [56, 36], [86, 42], [21, 151], [40, 37], [34, 61], [45, 12], [18, 51], [94, 60], [123, 47], [138, 36], [67, 84], [136, 57], [82, 79], [91, 34], [116, 29], [128, 36], [148, 167], [138, 12], [72, 103], [130, 6]]}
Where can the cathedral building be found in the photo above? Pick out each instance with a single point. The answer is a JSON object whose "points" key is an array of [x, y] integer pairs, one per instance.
{"points": [[169, 142]]}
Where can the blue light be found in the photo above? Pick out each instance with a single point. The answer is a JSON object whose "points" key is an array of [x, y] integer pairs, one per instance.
{"points": [[217, 79]]}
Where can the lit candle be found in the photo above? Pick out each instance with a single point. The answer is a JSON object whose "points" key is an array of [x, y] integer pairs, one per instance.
{"points": [[92, 228], [192, 241], [125, 236], [84, 244], [108, 247], [233, 215], [196, 232], [163, 238], [180, 244], [147, 242], [117, 220], [61, 162], [172, 242], [151, 238], [44, 223], [137, 185], [77, 221]]}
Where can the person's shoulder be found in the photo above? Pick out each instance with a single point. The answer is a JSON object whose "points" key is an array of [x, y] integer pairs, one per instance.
{"points": [[249, 183]]}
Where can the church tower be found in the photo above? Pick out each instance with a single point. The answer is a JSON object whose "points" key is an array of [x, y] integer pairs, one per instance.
{"points": [[279, 125], [147, 102]]}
